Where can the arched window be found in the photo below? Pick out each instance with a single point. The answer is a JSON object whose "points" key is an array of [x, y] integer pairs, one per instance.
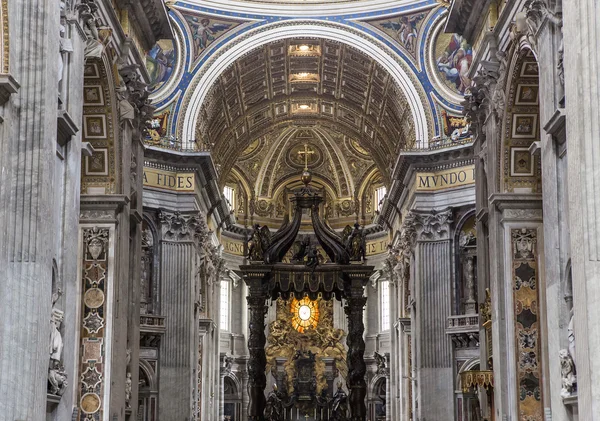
{"points": [[224, 306], [384, 305]]}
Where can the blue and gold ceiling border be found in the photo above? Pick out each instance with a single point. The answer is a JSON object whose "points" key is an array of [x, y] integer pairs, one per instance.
{"points": [[205, 31]]}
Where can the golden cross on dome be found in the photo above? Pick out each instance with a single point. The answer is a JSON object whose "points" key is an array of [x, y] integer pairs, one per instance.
{"points": [[306, 152]]}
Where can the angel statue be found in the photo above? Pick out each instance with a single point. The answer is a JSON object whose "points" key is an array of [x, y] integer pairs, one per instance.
{"points": [[259, 243]]}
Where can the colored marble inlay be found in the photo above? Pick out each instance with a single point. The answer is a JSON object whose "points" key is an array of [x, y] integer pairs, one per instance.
{"points": [[527, 329], [93, 323]]}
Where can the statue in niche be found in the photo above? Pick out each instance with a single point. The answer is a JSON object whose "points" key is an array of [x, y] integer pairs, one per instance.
{"points": [[339, 405], [567, 371], [469, 277], [274, 409], [128, 389], [57, 377], [571, 337]]}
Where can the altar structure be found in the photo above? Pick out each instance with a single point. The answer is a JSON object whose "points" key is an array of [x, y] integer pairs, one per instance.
{"points": [[344, 278]]}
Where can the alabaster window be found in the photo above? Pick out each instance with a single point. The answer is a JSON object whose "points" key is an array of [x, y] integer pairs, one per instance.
{"points": [[224, 322], [229, 193], [385, 305], [380, 193]]}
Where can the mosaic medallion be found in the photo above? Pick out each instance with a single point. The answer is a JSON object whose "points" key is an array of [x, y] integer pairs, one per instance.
{"points": [[93, 298]]}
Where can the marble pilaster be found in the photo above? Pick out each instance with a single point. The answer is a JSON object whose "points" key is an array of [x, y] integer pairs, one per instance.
{"points": [[582, 89], [27, 194], [432, 295], [178, 348]]}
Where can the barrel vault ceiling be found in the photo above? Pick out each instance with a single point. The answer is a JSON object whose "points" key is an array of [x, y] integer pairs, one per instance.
{"points": [[292, 92]]}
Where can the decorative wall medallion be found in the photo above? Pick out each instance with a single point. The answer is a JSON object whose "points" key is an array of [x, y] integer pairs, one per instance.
{"points": [[93, 95], [93, 298], [93, 322], [91, 377], [90, 403], [160, 63], [527, 340], [521, 162], [453, 56], [97, 164], [90, 70], [95, 285], [527, 95], [530, 69], [524, 126], [94, 126], [298, 155], [92, 350]]}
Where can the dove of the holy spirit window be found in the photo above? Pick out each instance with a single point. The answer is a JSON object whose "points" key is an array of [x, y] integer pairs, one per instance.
{"points": [[305, 314]]}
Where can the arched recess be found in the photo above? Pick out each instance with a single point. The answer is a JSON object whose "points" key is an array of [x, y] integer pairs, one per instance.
{"points": [[465, 288], [378, 398], [101, 172], [150, 271], [148, 392], [519, 170], [238, 47], [232, 397], [367, 192]]}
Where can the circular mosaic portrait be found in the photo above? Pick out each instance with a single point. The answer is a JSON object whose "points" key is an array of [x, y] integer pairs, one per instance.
{"points": [[450, 61]]}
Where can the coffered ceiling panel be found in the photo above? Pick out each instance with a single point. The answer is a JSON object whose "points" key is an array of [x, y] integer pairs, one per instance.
{"points": [[297, 83]]}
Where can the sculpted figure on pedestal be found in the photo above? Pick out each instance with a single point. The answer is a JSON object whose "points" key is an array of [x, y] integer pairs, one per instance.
{"points": [[57, 378], [339, 405], [567, 370], [128, 388]]}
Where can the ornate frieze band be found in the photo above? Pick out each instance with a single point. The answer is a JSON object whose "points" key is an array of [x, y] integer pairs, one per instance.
{"points": [[94, 320], [527, 324]]}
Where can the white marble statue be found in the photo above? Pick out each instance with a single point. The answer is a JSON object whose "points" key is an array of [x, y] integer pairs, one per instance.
{"points": [[128, 389], [572, 338], [567, 371]]}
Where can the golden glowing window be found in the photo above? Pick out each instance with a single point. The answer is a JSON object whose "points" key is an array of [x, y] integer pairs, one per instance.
{"points": [[305, 314]]}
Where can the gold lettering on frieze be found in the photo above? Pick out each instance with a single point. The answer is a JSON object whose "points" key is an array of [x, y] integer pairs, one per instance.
{"points": [[168, 180], [455, 177], [377, 247], [232, 247]]}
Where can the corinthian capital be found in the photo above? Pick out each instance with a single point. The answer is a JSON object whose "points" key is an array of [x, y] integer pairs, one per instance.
{"points": [[434, 225], [178, 226]]}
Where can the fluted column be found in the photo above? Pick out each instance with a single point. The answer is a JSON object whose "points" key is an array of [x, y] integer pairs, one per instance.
{"points": [[178, 348], [27, 195], [582, 87], [432, 295]]}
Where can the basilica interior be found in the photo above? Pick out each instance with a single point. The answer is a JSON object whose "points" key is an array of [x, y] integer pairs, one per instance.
{"points": [[304, 210]]}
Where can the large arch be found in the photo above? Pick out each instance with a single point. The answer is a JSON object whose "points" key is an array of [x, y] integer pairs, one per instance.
{"points": [[237, 48]]}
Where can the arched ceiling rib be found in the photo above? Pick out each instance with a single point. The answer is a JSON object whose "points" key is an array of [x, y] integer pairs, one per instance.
{"points": [[330, 85]]}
